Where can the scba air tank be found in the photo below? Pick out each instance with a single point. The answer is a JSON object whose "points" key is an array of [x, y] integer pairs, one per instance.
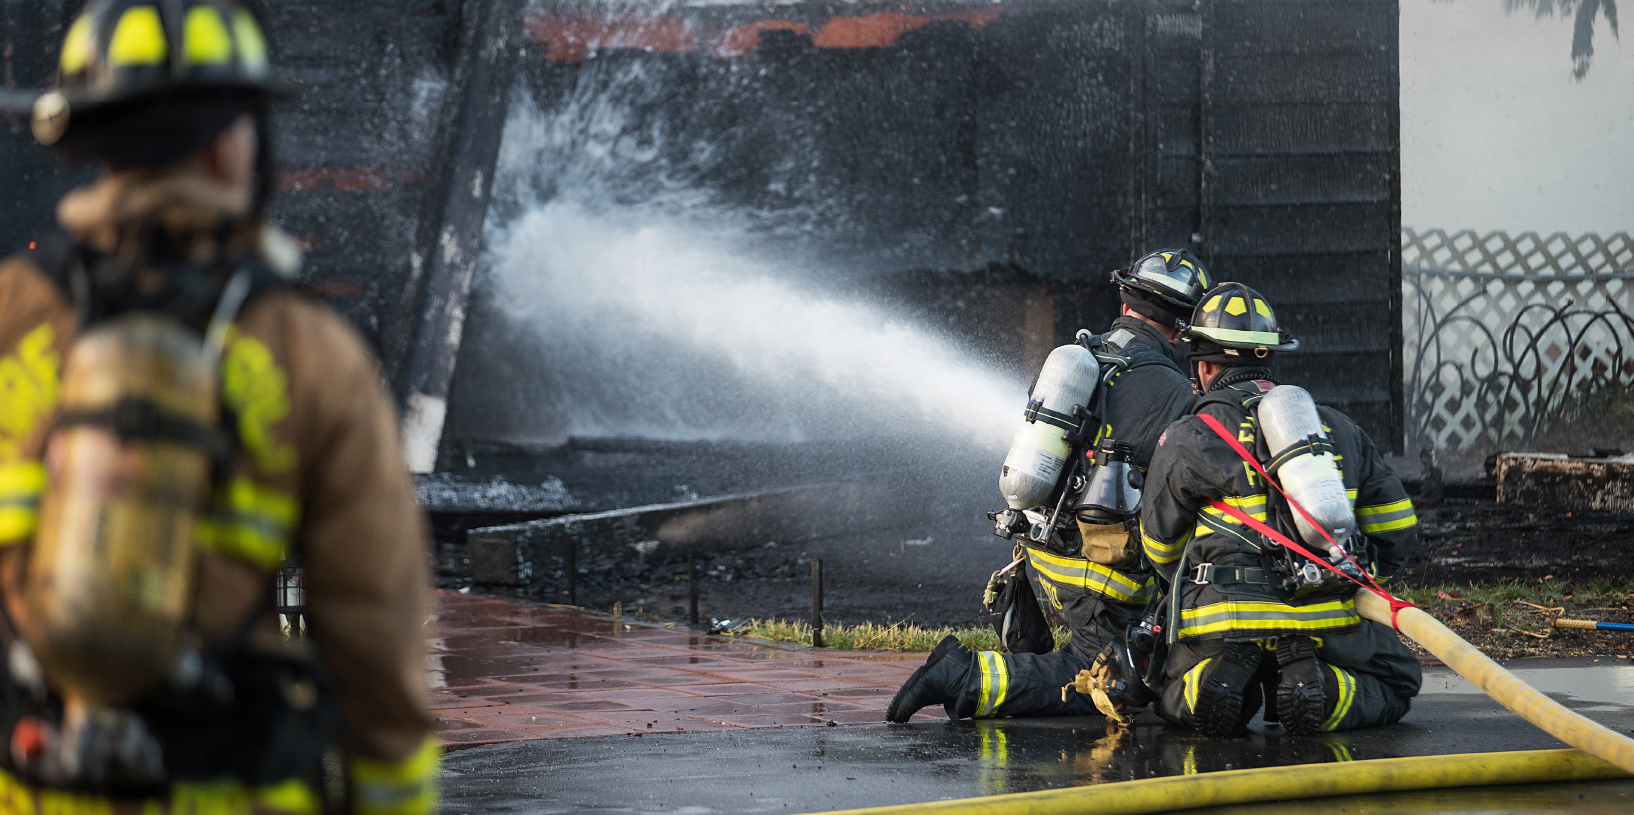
{"points": [[1039, 454], [1302, 462], [110, 581]]}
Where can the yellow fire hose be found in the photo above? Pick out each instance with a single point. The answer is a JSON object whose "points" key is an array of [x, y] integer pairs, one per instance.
{"points": [[1150, 795], [1550, 716], [1604, 754]]}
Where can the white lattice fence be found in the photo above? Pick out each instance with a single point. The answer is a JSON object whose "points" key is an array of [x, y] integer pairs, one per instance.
{"points": [[1504, 333]]}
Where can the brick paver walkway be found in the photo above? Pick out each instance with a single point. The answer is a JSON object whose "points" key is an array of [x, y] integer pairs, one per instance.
{"points": [[507, 672]]}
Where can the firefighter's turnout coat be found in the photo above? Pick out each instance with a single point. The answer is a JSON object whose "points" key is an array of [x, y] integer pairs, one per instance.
{"points": [[1145, 390], [319, 474], [1222, 584]]}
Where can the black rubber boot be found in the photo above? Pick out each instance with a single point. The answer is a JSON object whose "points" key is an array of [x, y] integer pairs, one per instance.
{"points": [[940, 681], [1230, 692], [1302, 703]]}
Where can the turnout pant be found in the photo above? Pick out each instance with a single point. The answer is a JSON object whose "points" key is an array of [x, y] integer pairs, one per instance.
{"points": [[1024, 685], [1369, 676]]}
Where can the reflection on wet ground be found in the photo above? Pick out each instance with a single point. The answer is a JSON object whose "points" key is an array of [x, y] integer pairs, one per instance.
{"points": [[872, 765], [506, 672], [1589, 679]]}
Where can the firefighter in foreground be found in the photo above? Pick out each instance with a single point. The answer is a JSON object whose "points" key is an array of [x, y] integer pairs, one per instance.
{"points": [[177, 421], [1251, 621], [1091, 570]]}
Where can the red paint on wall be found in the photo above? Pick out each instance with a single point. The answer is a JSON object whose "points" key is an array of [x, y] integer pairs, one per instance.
{"points": [[571, 38], [343, 179], [744, 39], [868, 31]]}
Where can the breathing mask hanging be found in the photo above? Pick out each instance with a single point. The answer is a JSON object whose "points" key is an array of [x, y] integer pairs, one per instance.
{"points": [[1111, 492]]}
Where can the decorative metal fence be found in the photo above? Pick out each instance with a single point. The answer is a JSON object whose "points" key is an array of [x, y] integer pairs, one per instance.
{"points": [[1509, 336]]}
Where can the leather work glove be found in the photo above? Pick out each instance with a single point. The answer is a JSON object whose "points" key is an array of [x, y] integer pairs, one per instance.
{"points": [[996, 583], [1112, 687], [1094, 684]]}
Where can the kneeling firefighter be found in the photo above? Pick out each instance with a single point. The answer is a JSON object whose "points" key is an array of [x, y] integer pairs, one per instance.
{"points": [[177, 422], [1094, 415], [1235, 492]]}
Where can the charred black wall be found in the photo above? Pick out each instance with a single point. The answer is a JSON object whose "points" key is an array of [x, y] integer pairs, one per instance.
{"points": [[1063, 138], [1060, 137], [353, 148], [1301, 186], [30, 37]]}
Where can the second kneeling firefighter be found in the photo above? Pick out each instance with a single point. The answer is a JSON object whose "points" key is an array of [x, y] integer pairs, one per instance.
{"points": [[1091, 568], [177, 422], [1251, 621]]}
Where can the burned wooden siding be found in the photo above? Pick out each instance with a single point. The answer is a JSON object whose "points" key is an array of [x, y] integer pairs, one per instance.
{"points": [[1062, 137], [31, 34], [355, 148], [1300, 193]]}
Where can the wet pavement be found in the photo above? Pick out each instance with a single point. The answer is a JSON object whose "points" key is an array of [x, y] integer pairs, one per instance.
{"points": [[751, 760], [808, 770], [503, 672]]}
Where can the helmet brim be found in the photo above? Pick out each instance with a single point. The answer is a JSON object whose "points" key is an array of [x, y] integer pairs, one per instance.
{"points": [[1194, 334]]}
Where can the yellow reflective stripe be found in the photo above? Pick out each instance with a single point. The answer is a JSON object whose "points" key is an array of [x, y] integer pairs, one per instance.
{"points": [[1390, 526], [20, 486], [206, 37], [406, 787], [208, 798], [1194, 681], [138, 39], [249, 521], [293, 797], [1352, 495], [1253, 505], [1237, 335], [1386, 517], [1159, 552], [1380, 509], [995, 684], [1347, 696], [1080, 573], [1261, 615]]}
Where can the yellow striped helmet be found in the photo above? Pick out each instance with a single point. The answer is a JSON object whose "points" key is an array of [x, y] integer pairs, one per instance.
{"points": [[1234, 323], [119, 52]]}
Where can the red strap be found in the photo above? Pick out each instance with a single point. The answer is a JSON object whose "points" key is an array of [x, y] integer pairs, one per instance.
{"points": [[1396, 604]]}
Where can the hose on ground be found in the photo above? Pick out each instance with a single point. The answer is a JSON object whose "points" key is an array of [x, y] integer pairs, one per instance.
{"points": [[1150, 795], [1601, 753], [1504, 687]]}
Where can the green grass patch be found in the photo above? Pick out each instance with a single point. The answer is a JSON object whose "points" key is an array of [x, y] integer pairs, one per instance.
{"points": [[903, 636], [1446, 597], [1551, 591]]}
